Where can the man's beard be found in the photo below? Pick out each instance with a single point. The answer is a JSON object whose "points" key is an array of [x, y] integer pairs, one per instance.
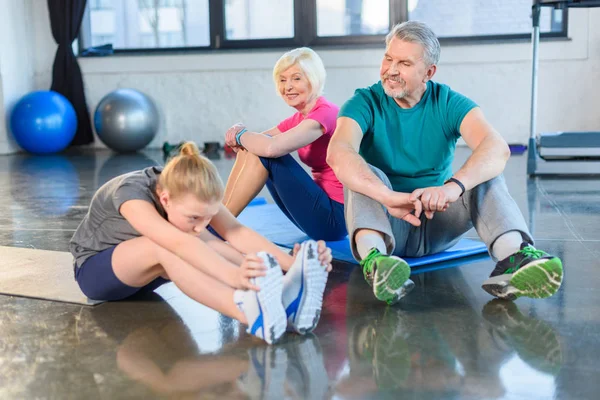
{"points": [[397, 93]]}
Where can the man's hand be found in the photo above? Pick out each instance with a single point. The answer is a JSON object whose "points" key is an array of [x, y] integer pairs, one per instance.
{"points": [[401, 206], [436, 198]]}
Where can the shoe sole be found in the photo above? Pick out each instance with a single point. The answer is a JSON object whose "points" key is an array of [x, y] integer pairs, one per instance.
{"points": [[535, 341], [314, 280], [406, 288], [269, 299], [388, 281], [538, 280]]}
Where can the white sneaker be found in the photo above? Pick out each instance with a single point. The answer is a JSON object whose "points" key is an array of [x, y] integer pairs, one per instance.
{"points": [[306, 374], [303, 288], [265, 378], [263, 309]]}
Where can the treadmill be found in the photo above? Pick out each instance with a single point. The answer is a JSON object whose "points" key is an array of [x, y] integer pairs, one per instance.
{"points": [[558, 153]]}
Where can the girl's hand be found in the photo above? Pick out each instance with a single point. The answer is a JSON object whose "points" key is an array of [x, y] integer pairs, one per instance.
{"points": [[251, 267], [325, 256], [295, 250]]}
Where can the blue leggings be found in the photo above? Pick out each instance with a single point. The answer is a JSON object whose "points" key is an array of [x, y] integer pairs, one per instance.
{"points": [[303, 201], [98, 281]]}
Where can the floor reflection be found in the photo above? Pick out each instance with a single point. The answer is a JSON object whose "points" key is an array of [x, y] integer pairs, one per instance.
{"points": [[442, 346], [46, 186], [448, 339]]}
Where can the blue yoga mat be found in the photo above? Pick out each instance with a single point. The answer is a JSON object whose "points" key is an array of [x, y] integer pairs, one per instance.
{"points": [[271, 222]]}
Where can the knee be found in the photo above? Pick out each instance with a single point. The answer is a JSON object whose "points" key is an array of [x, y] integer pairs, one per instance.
{"points": [[247, 158], [495, 185]]}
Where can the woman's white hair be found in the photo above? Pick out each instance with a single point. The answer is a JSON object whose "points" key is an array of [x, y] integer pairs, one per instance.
{"points": [[310, 63]]}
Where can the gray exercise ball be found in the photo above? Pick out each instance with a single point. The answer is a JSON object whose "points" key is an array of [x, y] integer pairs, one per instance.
{"points": [[126, 120]]}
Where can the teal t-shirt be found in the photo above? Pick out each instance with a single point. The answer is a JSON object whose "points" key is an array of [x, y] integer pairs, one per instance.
{"points": [[414, 147]]}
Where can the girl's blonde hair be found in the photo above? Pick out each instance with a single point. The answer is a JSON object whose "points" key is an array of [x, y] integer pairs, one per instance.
{"points": [[190, 172], [310, 63]]}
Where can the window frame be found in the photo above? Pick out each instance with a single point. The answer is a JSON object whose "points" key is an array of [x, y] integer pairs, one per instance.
{"points": [[305, 33]]}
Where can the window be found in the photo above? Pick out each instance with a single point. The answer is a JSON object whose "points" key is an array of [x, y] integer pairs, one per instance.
{"points": [[245, 19], [159, 25], [100, 4], [352, 17], [147, 24], [480, 18]]}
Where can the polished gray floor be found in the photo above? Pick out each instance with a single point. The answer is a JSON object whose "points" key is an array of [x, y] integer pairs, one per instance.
{"points": [[447, 340]]}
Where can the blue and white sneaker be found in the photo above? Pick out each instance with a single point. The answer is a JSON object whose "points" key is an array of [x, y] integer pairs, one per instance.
{"points": [[306, 374], [303, 288], [265, 378], [263, 309]]}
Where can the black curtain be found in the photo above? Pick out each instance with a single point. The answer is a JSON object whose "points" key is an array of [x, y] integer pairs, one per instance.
{"points": [[65, 20]]}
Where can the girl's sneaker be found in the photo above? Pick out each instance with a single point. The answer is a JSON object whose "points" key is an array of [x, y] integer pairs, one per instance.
{"points": [[303, 288], [263, 309]]}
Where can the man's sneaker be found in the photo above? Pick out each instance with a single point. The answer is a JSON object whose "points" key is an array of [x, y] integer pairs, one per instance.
{"points": [[391, 350], [529, 272], [303, 288], [263, 309], [387, 275], [534, 340]]}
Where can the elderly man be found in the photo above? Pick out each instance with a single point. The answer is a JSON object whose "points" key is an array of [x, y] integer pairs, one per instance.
{"points": [[393, 150]]}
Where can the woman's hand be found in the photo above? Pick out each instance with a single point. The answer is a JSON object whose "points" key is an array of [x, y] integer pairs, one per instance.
{"points": [[231, 133]]}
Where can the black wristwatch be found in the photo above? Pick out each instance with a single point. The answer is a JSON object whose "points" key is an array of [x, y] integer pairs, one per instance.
{"points": [[459, 183]]}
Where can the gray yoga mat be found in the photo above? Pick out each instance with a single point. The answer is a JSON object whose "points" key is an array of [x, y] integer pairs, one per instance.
{"points": [[39, 274]]}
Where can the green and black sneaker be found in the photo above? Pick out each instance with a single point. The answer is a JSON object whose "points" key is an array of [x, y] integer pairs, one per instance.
{"points": [[534, 340], [528, 272], [387, 275]]}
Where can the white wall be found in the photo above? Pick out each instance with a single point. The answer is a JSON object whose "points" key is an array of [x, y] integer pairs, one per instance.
{"points": [[201, 95], [17, 63]]}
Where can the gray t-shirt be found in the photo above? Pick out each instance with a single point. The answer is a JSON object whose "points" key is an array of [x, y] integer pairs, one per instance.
{"points": [[104, 226]]}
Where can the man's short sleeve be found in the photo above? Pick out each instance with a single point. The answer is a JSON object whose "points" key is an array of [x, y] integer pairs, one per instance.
{"points": [[359, 108], [458, 107]]}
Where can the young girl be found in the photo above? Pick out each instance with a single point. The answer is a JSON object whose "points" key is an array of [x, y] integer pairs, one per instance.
{"points": [[315, 204], [147, 227]]}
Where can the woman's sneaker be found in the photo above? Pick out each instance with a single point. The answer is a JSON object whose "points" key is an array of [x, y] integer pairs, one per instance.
{"points": [[303, 288], [263, 309], [528, 272], [387, 275]]}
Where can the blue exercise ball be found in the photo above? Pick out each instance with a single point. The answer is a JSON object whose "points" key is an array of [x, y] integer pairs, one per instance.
{"points": [[43, 122], [126, 120]]}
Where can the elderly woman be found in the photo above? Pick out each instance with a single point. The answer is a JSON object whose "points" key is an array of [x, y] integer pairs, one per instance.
{"points": [[314, 204]]}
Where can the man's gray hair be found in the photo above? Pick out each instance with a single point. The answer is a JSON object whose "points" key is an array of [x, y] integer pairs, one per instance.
{"points": [[417, 32]]}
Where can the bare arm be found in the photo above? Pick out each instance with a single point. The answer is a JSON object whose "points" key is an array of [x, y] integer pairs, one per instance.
{"points": [[264, 145], [349, 167], [145, 219], [245, 240], [274, 131], [490, 150]]}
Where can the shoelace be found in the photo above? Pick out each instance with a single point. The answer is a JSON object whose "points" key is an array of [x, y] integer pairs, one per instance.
{"points": [[366, 262], [532, 252]]}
